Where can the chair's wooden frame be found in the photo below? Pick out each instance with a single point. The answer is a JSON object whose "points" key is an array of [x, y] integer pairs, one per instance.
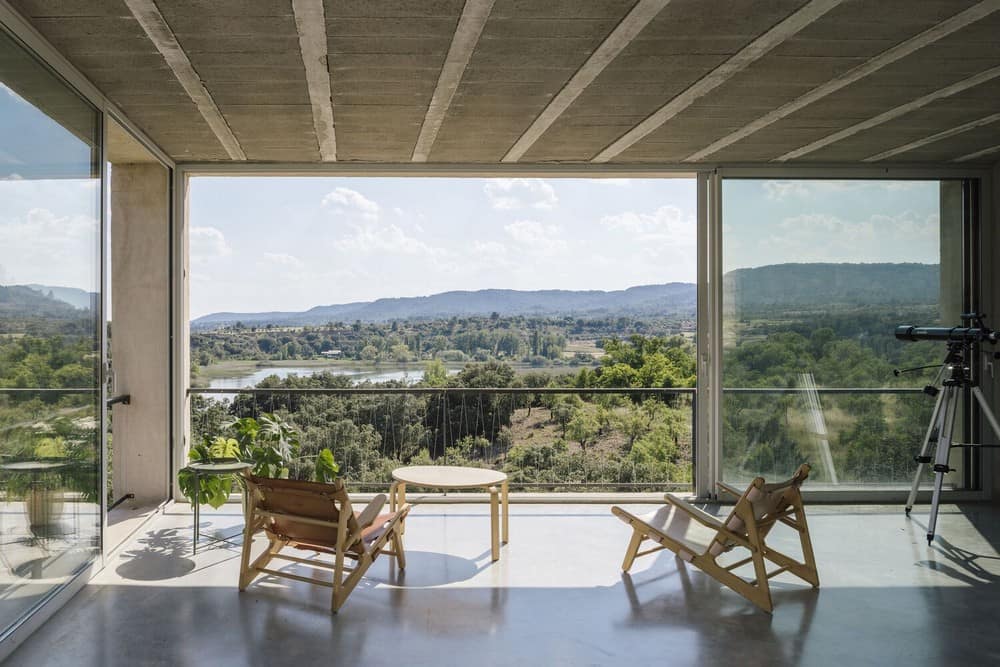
{"points": [[346, 538], [757, 510]]}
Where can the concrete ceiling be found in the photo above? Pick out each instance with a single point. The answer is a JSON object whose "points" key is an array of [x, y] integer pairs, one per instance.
{"points": [[564, 81]]}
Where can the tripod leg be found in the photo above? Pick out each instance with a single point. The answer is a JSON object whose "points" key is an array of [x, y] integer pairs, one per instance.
{"points": [[936, 416], [949, 404]]}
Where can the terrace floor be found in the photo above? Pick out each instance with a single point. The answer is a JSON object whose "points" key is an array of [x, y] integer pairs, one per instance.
{"points": [[556, 597]]}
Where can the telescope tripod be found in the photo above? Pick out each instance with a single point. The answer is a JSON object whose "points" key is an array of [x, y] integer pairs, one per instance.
{"points": [[942, 426]]}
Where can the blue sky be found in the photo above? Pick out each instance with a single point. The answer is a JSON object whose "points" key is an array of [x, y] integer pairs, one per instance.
{"points": [[778, 221], [293, 243]]}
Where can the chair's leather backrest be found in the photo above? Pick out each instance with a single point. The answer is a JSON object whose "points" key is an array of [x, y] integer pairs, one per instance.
{"points": [[312, 500], [765, 500]]}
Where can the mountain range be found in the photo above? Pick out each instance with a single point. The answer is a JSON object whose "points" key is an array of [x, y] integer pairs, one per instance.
{"points": [[815, 284]]}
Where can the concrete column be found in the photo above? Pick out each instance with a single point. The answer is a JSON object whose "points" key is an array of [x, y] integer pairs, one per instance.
{"points": [[991, 299], [140, 330]]}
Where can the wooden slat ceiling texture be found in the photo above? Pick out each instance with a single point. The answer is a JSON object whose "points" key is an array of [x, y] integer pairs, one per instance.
{"points": [[553, 81]]}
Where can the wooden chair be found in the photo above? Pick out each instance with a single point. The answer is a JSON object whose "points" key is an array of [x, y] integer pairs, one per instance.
{"points": [[317, 517], [700, 538]]}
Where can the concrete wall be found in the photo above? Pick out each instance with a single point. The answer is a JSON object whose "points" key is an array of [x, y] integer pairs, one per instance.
{"points": [[140, 330]]}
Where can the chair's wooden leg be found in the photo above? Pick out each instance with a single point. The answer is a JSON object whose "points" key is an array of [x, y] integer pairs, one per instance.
{"points": [[633, 549], [806, 543], [494, 523], [246, 574], [344, 588]]}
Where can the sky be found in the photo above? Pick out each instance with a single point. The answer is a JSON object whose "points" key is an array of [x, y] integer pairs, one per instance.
{"points": [[260, 244], [294, 243], [778, 221]]}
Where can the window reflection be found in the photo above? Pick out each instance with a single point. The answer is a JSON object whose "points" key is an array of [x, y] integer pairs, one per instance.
{"points": [[817, 274], [49, 332]]}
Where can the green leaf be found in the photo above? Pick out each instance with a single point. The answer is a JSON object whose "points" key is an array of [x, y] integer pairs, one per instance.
{"points": [[224, 448], [326, 468]]}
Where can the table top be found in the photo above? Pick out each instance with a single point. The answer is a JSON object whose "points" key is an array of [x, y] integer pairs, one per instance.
{"points": [[219, 468], [33, 466], [448, 477]]}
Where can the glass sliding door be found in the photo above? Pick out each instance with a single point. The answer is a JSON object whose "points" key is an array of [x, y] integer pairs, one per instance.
{"points": [[50, 333], [817, 275]]}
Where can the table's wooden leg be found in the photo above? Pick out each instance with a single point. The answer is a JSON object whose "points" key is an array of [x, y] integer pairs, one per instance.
{"points": [[400, 501], [506, 511], [494, 523]]}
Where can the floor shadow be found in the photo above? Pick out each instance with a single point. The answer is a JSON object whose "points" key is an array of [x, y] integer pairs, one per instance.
{"points": [[159, 556]]}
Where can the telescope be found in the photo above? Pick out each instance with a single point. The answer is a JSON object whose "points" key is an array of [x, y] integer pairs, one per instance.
{"points": [[976, 333], [965, 335]]}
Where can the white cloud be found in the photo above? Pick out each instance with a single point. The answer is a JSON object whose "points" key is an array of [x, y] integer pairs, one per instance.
{"points": [[347, 201], [208, 244], [283, 259], [825, 225], [537, 238], [665, 224], [614, 182], [42, 247], [391, 238], [782, 190], [517, 193]]}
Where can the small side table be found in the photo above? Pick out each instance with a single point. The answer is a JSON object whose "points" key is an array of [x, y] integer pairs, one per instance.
{"points": [[198, 469], [457, 477]]}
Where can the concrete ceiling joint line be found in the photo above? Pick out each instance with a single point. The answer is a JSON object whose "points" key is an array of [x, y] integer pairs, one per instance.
{"points": [[978, 154], [971, 125], [887, 57], [642, 13], [893, 113], [148, 16], [753, 51], [310, 22], [463, 43]]}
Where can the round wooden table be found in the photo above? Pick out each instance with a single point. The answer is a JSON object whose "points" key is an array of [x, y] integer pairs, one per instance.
{"points": [[457, 477]]}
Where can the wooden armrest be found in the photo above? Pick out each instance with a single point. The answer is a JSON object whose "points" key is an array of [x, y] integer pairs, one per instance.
{"points": [[369, 513], [796, 480], [728, 489], [702, 517]]}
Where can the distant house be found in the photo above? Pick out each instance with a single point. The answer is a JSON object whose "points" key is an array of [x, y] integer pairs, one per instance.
{"points": [[332, 354]]}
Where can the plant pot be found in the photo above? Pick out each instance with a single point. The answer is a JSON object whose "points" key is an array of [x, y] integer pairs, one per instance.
{"points": [[43, 506]]}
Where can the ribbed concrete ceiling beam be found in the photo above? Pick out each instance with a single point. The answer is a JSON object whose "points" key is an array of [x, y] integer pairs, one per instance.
{"points": [[887, 57], [623, 34], [310, 22], [746, 56], [160, 34], [978, 154], [463, 43], [965, 127], [893, 113]]}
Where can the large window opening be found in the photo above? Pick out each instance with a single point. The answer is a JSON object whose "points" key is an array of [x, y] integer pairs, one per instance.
{"points": [[543, 327], [817, 275]]}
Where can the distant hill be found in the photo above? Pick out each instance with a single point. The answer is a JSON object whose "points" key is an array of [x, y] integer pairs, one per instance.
{"points": [[816, 285], [77, 298], [826, 285], [669, 299], [20, 303]]}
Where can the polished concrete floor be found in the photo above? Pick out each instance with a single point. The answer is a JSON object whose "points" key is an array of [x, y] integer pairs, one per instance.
{"points": [[556, 597]]}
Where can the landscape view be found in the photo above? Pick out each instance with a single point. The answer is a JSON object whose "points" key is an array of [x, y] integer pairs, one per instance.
{"points": [[561, 387], [571, 343]]}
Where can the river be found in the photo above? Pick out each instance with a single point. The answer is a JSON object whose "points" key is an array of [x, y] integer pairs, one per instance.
{"points": [[358, 375]]}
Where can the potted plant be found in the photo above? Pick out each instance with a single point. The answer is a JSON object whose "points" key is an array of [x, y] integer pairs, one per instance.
{"points": [[271, 444]]}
